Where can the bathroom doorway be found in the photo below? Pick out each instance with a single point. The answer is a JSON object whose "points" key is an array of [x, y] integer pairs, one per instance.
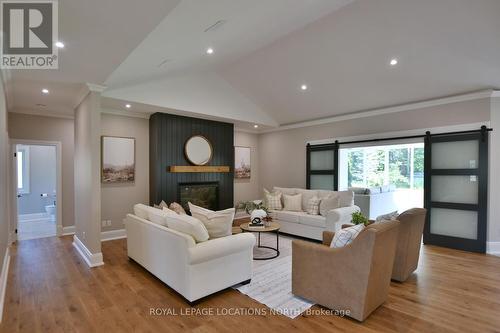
{"points": [[38, 191]]}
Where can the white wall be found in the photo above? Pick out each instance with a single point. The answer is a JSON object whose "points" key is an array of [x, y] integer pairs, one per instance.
{"points": [[4, 183], [248, 189], [87, 172], [117, 200], [494, 178]]}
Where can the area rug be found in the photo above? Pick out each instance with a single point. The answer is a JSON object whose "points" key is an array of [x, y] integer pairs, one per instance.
{"points": [[271, 284]]}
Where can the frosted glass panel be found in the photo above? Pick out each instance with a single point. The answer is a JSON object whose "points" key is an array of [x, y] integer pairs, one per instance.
{"points": [[455, 223], [455, 155], [457, 189], [322, 182], [322, 160]]}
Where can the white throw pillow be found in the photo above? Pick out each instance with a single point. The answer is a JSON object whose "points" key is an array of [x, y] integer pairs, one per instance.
{"points": [[327, 204], [187, 225], [218, 223], [142, 211], [313, 206], [387, 217], [293, 202], [273, 200], [345, 236], [158, 216]]}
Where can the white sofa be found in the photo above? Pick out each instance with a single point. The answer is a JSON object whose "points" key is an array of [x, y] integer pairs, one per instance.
{"points": [[375, 201], [312, 226], [194, 270]]}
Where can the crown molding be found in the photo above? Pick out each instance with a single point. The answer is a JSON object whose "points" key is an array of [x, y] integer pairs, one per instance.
{"points": [[95, 87], [126, 113], [41, 113], [388, 110]]}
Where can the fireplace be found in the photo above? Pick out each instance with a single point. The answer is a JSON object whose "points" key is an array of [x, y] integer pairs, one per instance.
{"points": [[204, 194]]}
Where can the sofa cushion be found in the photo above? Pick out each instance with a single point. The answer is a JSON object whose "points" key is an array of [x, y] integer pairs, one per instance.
{"points": [[346, 198], [345, 236], [292, 202], [306, 196], [218, 223], [188, 225], [285, 190], [329, 203], [313, 220], [293, 217]]}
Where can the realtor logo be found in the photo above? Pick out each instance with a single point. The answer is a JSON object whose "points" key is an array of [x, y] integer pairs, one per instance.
{"points": [[29, 34]]}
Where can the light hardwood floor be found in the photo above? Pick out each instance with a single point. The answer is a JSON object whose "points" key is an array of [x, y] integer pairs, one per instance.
{"points": [[51, 289]]}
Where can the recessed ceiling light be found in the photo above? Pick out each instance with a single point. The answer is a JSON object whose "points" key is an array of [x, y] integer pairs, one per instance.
{"points": [[45, 91], [60, 45], [128, 106], [303, 87], [393, 62], [255, 126], [210, 50]]}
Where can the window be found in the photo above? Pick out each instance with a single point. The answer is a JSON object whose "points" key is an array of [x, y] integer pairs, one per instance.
{"points": [[23, 170], [321, 166]]}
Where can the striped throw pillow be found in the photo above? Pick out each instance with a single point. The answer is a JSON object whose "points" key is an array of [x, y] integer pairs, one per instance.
{"points": [[273, 200], [345, 236]]}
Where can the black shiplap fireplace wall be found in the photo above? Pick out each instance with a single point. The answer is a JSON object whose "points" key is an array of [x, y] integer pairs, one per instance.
{"points": [[167, 136]]}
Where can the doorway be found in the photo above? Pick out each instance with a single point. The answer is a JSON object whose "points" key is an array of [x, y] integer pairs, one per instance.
{"points": [[37, 180]]}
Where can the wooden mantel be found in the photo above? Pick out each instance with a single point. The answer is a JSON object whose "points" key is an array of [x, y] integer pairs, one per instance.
{"points": [[198, 168]]}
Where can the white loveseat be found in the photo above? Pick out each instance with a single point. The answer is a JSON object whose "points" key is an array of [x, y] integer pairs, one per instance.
{"points": [[194, 270], [312, 226]]}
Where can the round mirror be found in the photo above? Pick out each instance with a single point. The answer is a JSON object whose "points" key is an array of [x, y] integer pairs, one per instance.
{"points": [[198, 150]]}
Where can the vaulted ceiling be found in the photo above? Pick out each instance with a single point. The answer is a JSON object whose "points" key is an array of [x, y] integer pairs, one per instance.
{"points": [[152, 54]]}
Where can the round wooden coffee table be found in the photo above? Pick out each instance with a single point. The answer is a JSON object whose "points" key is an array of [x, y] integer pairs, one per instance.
{"points": [[273, 227]]}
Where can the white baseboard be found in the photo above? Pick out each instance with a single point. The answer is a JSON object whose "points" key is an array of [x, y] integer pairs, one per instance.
{"points": [[493, 248], [113, 234], [12, 237], [33, 216], [68, 230], [92, 259], [3, 280]]}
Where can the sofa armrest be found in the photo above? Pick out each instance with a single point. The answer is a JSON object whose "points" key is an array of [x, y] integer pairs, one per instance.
{"points": [[336, 217], [327, 237], [220, 247]]}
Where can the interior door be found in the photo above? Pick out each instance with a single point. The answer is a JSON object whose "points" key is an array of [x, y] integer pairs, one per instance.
{"points": [[456, 189]]}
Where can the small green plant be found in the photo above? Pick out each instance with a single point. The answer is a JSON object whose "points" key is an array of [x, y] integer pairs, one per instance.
{"points": [[359, 218], [249, 206]]}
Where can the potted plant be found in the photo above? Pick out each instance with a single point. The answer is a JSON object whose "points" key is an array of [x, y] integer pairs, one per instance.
{"points": [[359, 218]]}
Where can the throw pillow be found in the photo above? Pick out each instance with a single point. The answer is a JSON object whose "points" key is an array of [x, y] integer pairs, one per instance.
{"points": [[387, 217], [142, 211], [218, 223], [313, 206], [162, 205], [187, 225], [177, 208], [345, 236], [159, 216], [273, 200], [293, 202], [327, 204]]}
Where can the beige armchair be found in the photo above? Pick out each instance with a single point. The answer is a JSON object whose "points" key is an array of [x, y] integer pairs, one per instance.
{"points": [[409, 240], [354, 278]]}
